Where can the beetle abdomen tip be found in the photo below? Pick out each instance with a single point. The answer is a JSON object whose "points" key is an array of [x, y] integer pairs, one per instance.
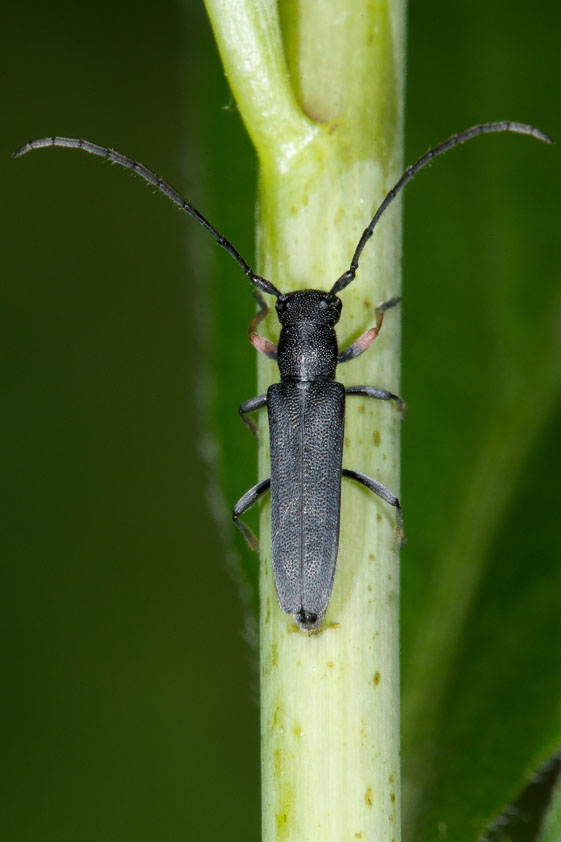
{"points": [[308, 621]]}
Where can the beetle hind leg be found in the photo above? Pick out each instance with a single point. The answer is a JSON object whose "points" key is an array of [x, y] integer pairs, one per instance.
{"points": [[385, 494], [246, 502]]}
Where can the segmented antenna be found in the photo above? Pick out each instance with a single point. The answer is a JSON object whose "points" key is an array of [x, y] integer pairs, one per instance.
{"points": [[161, 185], [485, 128]]}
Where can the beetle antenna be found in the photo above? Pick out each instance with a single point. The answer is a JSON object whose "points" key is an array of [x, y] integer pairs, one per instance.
{"points": [[161, 185], [462, 137]]}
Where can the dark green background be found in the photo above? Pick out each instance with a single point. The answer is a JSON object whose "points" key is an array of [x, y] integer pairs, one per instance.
{"points": [[129, 694]]}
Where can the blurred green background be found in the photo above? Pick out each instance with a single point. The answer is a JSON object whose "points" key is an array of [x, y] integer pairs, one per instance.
{"points": [[129, 697]]}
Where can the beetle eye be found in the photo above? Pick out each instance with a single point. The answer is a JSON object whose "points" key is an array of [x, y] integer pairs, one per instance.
{"points": [[281, 305]]}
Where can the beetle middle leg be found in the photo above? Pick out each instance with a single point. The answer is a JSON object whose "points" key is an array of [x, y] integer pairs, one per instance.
{"points": [[252, 405], [246, 502], [379, 394], [385, 494]]}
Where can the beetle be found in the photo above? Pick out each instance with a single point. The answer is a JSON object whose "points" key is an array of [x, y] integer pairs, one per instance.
{"points": [[306, 409]]}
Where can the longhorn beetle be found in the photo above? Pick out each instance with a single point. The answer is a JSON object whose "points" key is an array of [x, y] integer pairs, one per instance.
{"points": [[307, 408]]}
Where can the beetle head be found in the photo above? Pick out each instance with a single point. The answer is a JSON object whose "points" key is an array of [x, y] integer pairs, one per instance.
{"points": [[309, 305]]}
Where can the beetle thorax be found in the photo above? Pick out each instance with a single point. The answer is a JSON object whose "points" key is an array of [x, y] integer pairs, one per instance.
{"points": [[307, 348]]}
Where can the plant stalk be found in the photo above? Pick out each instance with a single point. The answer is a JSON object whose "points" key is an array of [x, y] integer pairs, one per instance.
{"points": [[321, 95]]}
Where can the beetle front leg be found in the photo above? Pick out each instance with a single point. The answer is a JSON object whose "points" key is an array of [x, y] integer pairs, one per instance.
{"points": [[261, 313], [246, 502], [379, 394], [360, 345], [385, 494], [252, 405], [264, 346]]}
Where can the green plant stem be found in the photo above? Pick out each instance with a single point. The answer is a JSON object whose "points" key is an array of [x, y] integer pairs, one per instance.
{"points": [[321, 96]]}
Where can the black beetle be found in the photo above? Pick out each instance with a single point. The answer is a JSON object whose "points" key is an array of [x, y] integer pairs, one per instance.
{"points": [[307, 408], [306, 423]]}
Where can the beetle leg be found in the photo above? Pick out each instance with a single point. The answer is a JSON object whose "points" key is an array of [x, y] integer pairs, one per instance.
{"points": [[264, 346], [379, 394], [360, 345], [246, 502], [261, 313], [252, 405], [385, 494]]}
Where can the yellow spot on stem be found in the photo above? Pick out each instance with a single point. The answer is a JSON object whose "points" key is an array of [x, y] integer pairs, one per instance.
{"points": [[282, 824]]}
